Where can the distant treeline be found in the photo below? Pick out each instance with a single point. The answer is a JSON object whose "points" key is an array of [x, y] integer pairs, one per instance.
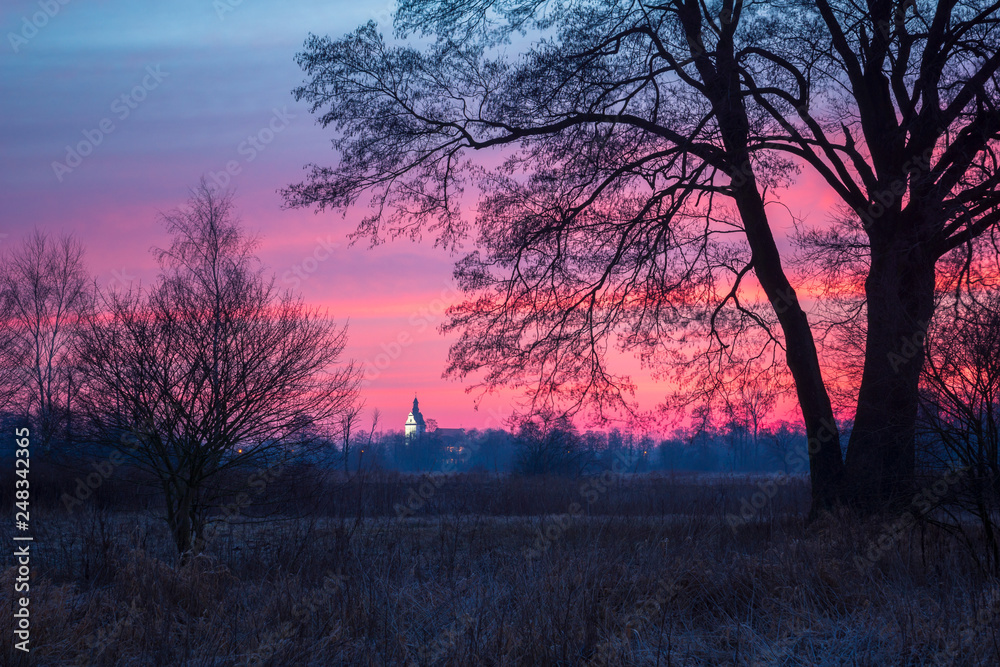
{"points": [[532, 449]]}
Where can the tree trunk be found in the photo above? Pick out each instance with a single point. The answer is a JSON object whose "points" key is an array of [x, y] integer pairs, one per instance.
{"points": [[180, 527], [180, 520], [881, 454], [826, 465], [724, 88]]}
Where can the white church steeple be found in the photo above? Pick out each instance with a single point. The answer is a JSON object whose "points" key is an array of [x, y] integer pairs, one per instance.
{"points": [[415, 426]]}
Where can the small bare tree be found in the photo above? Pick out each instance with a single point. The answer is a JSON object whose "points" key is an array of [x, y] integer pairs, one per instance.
{"points": [[746, 407], [349, 421], [960, 407], [376, 415], [214, 369], [44, 289], [10, 380], [781, 439], [549, 444]]}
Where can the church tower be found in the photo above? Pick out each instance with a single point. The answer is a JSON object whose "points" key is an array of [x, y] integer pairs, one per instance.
{"points": [[415, 426]]}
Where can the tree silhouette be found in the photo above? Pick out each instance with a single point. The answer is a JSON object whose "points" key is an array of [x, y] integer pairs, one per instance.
{"points": [[549, 445], [635, 145], [960, 397], [10, 357], [44, 291], [211, 371]]}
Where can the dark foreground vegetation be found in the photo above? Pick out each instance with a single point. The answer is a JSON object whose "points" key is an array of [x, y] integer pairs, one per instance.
{"points": [[605, 570]]}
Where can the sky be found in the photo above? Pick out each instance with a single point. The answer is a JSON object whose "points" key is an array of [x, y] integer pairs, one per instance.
{"points": [[112, 110]]}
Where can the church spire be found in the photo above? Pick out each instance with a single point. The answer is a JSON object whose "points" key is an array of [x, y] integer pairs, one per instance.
{"points": [[415, 424]]}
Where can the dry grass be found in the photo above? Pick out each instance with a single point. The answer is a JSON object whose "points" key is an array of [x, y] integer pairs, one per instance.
{"points": [[622, 586]]}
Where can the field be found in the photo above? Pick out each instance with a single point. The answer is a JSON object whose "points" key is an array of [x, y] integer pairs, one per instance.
{"points": [[624, 570]]}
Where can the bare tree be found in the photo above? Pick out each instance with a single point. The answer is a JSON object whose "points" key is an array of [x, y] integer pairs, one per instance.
{"points": [[211, 368], [960, 406], [367, 444], [782, 438], [638, 142], [11, 362], [903, 125], [616, 230], [350, 419], [746, 407], [549, 445], [44, 290]]}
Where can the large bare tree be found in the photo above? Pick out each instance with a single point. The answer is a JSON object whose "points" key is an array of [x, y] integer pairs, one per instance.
{"points": [[633, 147], [895, 105], [211, 371], [44, 291]]}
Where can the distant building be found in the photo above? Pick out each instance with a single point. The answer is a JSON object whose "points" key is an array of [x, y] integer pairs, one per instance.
{"points": [[450, 440], [452, 443], [415, 426]]}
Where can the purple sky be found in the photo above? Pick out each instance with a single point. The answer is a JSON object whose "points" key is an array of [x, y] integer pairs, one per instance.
{"points": [[158, 95]]}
